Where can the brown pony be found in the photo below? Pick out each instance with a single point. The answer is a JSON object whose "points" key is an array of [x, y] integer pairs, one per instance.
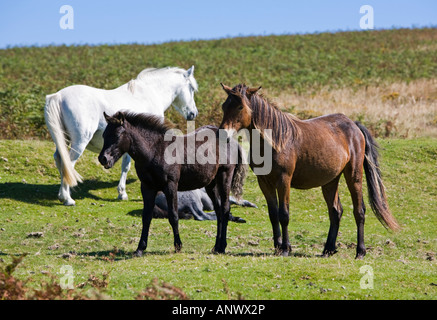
{"points": [[308, 154]]}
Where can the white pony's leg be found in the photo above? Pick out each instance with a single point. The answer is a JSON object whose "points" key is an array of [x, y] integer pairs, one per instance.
{"points": [[76, 151], [125, 167], [64, 193]]}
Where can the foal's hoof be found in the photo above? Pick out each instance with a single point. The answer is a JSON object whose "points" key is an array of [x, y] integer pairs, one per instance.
{"points": [[328, 253], [178, 248], [138, 253], [218, 251]]}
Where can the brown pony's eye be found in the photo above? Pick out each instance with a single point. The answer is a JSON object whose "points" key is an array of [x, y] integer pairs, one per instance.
{"points": [[240, 107]]}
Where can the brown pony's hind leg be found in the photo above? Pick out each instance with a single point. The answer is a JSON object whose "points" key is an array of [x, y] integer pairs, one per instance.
{"points": [[335, 209], [269, 192], [353, 174]]}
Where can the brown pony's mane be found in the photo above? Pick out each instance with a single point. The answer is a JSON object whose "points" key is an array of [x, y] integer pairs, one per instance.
{"points": [[148, 122], [266, 115]]}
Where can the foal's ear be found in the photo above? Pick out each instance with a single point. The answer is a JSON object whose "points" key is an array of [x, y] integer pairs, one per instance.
{"points": [[252, 91], [226, 88], [107, 118], [118, 118]]}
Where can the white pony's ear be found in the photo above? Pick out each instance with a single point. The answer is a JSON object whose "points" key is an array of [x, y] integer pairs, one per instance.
{"points": [[190, 72]]}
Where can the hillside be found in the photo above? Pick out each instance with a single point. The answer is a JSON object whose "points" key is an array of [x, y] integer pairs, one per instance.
{"points": [[303, 73]]}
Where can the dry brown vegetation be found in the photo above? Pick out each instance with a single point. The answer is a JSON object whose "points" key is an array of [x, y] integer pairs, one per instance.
{"points": [[400, 109]]}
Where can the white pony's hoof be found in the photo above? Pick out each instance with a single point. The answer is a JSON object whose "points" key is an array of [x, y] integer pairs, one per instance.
{"points": [[69, 202], [123, 196]]}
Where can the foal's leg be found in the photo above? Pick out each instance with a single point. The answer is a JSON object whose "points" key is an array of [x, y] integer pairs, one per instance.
{"points": [[269, 192], [224, 188], [125, 166], [149, 203], [173, 216], [330, 193], [213, 192], [354, 179], [214, 195]]}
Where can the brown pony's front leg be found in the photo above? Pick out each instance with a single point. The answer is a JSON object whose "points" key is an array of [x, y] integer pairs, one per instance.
{"points": [[335, 210], [283, 212], [149, 202], [173, 217], [269, 192]]}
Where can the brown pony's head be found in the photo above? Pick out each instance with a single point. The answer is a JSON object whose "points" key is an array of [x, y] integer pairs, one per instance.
{"points": [[237, 113]]}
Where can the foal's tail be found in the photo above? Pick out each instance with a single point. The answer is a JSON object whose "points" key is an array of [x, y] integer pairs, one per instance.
{"points": [[52, 114], [375, 187], [239, 176]]}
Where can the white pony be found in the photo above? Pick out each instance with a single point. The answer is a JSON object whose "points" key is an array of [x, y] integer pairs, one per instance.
{"points": [[75, 114]]}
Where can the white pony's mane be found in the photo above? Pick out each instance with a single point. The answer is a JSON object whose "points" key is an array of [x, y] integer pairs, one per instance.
{"points": [[150, 73]]}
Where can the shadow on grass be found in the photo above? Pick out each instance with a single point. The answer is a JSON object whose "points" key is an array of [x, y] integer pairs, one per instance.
{"points": [[119, 254], [47, 194]]}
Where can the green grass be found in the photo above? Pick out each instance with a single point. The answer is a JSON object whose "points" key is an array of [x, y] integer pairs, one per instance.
{"points": [[97, 236], [281, 64], [100, 233]]}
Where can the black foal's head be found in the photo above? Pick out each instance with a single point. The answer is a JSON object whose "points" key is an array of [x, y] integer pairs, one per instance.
{"points": [[115, 141]]}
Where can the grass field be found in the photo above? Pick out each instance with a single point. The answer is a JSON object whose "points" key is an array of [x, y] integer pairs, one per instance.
{"points": [[96, 238], [385, 79]]}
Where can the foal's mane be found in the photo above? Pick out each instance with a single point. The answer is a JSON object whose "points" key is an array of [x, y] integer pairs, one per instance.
{"points": [[266, 115], [148, 122]]}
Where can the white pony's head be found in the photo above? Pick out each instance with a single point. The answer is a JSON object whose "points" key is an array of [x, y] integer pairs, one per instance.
{"points": [[175, 83], [184, 101]]}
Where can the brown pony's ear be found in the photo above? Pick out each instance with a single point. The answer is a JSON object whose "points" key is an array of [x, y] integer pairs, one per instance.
{"points": [[252, 91], [226, 88]]}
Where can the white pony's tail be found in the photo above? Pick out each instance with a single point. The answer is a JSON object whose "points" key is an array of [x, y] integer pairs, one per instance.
{"points": [[52, 114]]}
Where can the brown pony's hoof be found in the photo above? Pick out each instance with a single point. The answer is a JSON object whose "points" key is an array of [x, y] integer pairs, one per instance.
{"points": [[283, 252], [360, 256], [178, 248]]}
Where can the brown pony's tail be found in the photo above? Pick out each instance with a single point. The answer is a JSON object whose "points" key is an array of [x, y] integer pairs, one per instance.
{"points": [[375, 187], [239, 176]]}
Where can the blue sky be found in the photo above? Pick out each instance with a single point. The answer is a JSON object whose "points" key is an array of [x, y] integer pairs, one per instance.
{"points": [[25, 22]]}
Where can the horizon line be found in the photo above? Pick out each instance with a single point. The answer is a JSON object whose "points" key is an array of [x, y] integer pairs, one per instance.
{"points": [[298, 33]]}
